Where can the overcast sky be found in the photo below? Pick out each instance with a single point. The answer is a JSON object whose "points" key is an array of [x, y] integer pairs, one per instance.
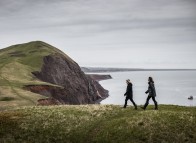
{"points": [[107, 33]]}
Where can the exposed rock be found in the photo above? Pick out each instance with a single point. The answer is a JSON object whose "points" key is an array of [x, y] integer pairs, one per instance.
{"points": [[48, 101], [46, 90], [77, 88]]}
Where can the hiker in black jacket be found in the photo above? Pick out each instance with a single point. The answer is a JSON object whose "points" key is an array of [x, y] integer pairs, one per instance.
{"points": [[151, 94], [129, 94]]}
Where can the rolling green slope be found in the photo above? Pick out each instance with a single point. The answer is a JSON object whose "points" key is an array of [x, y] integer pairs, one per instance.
{"points": [[98, 123], [16, 64]]}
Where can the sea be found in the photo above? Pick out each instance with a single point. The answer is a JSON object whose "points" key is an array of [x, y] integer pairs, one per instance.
{"points": [[172, 87]]}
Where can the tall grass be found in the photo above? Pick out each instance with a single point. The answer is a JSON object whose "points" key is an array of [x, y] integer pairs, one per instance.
{"points": [[98, 123]]}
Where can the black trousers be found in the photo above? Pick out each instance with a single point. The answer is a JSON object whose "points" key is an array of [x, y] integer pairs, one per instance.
{"points": [[154, 100], [129, 98]]}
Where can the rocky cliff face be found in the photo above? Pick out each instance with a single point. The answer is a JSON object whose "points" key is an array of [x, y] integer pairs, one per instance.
{"points": [[74, 86]]}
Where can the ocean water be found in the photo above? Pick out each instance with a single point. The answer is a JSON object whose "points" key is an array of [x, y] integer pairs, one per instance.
{"points": [[172, 87]]}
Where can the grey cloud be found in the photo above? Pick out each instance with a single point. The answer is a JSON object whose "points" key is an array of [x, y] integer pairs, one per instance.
{"points": [[60, 17], [99, 22]]}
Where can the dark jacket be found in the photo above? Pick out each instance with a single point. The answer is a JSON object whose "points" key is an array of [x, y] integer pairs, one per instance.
{"points": [[129, 91], [151, 89]]}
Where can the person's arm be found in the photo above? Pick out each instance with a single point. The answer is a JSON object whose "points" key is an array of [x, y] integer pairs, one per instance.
{"points": [[129, 89], [126, 90], [153, 89], [147, 90]]}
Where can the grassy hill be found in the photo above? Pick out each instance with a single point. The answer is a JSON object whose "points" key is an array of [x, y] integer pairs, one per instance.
{"points": [[98, 123], [16, 64]]}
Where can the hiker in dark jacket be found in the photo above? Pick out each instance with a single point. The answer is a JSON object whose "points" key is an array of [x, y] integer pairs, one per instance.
{"points": [[151, 94], [129, 94]]}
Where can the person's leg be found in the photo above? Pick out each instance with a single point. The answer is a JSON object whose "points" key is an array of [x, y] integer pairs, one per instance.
{"points": [[133, 103], [147, 102], [155, 103], [126, 99]]}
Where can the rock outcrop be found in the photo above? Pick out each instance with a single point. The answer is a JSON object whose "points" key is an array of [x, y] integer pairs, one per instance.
{"points": [[73, 86], [99, 77]]}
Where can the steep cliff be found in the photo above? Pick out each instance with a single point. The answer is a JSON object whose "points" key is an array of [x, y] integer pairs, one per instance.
{"points": [[51, 76], [77, 87]]}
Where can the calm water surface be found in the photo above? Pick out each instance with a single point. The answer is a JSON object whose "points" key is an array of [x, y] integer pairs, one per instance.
{"points": [[172, 87]]}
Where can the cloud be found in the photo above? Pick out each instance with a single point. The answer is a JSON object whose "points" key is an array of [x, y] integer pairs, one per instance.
{"points": [[103, 24]]}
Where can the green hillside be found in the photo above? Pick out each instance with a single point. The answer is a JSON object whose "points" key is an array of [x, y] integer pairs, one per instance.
{"points": [[98, 123], [16, 64]]}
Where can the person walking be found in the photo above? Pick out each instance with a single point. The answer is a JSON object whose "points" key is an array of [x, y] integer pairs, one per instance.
{"points": [[151, 94], [129, 94]]}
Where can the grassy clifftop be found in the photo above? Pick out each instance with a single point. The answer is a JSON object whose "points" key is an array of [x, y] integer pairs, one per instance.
{"points": [[98, 123], [16, 64]]}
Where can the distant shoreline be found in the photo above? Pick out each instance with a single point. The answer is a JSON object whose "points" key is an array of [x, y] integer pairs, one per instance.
{"points": [[101, 69], [99, 77]]}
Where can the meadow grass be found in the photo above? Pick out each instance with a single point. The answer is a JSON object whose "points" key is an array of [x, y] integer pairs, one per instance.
{"points": [[98, 123]]}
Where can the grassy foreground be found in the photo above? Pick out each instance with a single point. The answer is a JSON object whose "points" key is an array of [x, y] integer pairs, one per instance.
{"points": [[98, 123]]}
